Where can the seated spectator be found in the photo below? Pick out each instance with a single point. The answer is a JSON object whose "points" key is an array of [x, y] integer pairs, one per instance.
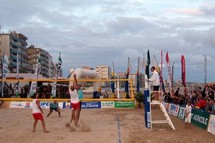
{"points": [[211, 94], [201, 104], [181, 100], [208, 107], [193, 98], [177, 92], [212, 102]]}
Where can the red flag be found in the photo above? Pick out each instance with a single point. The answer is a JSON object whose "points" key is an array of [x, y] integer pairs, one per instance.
{"points": [[183, 73]]}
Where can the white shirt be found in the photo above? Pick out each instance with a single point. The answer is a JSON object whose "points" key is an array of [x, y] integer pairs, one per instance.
{"points": [[155, 79], [35, 108], [188, 109], [73, 96]]}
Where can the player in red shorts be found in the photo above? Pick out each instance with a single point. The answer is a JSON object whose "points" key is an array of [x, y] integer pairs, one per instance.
{"points": [[75, 103], [37, 112]]}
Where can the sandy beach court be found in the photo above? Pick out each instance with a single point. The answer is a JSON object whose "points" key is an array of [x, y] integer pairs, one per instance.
{"points": [[97, 126]]}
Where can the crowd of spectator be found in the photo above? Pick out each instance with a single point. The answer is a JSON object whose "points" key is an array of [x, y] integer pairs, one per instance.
{"points": [[201, 98], [43, 90]]}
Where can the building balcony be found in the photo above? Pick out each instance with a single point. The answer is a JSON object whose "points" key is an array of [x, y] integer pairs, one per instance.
{"points": [[23, 43], [13, 64], [13, 57], [13, 37], [14, 44], [13, 51]]}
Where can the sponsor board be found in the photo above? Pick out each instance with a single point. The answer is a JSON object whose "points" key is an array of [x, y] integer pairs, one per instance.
{"points": [[147, 108], [66, 105], [200, 118], [28, 105], [166, 106], [173, 110], [60, 104], [90, 105], [20, 104], [107, 104], [17, 104], [124, 104], [44, 105], [211, 124], [181, 113]]}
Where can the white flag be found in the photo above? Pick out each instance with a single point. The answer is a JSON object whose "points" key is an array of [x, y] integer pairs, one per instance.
{"points": [[5, 66], [33, 87], [54, 86]]}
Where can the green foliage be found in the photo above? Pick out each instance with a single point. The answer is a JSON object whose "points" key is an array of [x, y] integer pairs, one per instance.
{"points": [[139, 97]]}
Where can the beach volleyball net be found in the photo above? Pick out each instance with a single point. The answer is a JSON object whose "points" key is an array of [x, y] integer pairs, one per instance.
{"points": [[92, 89]]}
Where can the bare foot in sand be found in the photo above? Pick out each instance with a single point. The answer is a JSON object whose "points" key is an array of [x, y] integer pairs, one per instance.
{"points": [[67, 125], [46, 131], [77, 126], [72, 129]]}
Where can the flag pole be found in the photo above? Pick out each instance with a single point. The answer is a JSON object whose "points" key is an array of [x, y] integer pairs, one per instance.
{"points": [[2, 85], [138, 75], [17, 74], [112, 82]]}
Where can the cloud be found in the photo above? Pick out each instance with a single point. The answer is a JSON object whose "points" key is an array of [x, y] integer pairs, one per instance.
{"points": [[187, 11], [91, 33], [208, 10]]}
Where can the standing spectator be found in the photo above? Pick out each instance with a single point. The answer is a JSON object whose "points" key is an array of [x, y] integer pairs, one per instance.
{"points": [[188, 114]]}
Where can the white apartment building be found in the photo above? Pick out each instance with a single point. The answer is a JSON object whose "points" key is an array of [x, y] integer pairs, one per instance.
{"points": [[104, 71]]}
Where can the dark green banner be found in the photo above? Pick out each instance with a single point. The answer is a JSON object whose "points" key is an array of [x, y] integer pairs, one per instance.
{"points": [[124, 104], [181, 113], [200, 118]]}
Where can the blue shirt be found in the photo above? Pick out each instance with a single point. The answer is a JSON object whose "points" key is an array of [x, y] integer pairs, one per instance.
{"points": [[80, 94]]}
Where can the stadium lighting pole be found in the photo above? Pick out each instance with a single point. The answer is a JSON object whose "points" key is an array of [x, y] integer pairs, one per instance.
{"points": [[205, 68]]}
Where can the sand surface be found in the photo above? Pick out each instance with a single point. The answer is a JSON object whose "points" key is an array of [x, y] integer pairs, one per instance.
{"points": [[97, 126]]}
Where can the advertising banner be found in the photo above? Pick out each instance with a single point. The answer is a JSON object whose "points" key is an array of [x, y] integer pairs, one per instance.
{"points": [[60, 104], [66, 105], [211, 124], [166, 105], [173, 110], [20, 104], [107, 104], [91, 105], [124, 104], [17, 104], [181, 113], [27, 104], [147, 108], [200, 118], [45, 105]]}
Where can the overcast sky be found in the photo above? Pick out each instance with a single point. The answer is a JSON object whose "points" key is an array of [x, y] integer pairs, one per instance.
{"points": [[99, 32]]}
